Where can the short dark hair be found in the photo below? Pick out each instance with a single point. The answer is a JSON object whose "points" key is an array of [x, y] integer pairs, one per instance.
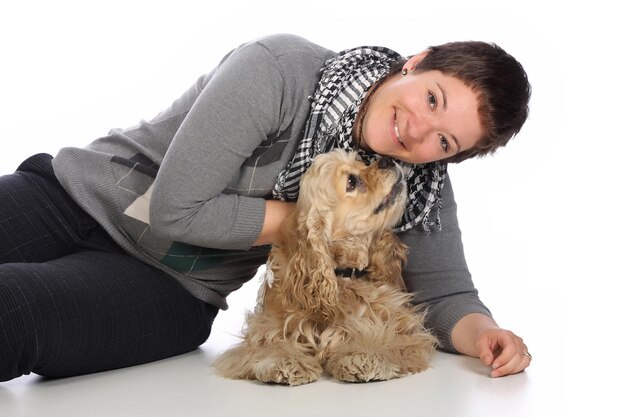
{"points": [[498, 79]]}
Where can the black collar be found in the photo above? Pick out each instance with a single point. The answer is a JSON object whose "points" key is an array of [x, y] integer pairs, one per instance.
{"points": [[350, 272]]}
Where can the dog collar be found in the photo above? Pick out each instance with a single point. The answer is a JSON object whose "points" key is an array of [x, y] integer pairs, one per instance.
{"points": [[350, 272]]}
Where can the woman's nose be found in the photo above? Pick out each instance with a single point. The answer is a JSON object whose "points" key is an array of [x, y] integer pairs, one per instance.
{"points": [[418, 128]]}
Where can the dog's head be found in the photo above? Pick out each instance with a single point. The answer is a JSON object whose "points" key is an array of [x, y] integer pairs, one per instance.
{"points": [[342, 220], [351, 197]]}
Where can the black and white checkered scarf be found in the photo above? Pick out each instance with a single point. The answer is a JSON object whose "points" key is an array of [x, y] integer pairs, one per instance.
{"points": [[345, 80]]}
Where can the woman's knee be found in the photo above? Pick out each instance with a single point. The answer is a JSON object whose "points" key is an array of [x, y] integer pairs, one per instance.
{"points": [[94, 311]]}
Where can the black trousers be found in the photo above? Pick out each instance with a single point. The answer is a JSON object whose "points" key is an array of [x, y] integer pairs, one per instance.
{"points": [[71, 301]]}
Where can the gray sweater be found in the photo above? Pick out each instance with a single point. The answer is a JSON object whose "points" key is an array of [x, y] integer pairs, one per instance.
{"points": [[185, 191]]}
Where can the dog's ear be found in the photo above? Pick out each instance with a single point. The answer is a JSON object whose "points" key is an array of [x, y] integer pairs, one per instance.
{"points": [[311, 283], [388, 256]]}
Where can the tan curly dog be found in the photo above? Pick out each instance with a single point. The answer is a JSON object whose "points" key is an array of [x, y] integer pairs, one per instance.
{"points": [[333, 298]]}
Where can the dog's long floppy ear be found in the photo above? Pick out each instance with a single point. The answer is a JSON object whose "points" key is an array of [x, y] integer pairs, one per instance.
{"points": [[311, 271], [388, 256]]}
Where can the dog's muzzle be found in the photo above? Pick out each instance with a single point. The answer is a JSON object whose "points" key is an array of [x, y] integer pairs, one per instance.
{"points": [[390, 199]]}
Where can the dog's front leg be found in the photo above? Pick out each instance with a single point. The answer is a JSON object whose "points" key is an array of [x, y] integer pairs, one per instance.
{"points": [[372, 345], [271, 353], [284, 362], [351, 356]]}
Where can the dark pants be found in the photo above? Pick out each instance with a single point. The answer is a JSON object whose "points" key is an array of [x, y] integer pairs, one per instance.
{"points": [[71, 301]]}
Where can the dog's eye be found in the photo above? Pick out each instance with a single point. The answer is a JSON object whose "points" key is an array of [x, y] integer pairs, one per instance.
{"points": [[353, 181]]}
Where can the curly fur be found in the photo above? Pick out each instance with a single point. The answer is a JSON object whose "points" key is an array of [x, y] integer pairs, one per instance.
{"points": [[308, 319]]}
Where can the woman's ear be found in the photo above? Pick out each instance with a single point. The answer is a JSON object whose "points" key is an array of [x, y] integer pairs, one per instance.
{"points": [[414, 61]]}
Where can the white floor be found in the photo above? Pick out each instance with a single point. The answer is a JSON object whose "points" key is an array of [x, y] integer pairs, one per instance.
{"points": [[187, 386]]}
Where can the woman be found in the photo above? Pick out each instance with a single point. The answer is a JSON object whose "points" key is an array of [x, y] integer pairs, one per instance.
{"points": [[122, 252]]}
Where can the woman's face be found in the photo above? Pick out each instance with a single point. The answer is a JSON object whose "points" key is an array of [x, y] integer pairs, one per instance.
{"points": [[420, 118]]}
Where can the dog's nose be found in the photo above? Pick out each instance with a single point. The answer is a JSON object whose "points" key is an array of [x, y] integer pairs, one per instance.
{"points": [[384, 163]]}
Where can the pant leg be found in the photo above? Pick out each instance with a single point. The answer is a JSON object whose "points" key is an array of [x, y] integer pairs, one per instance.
{"points": [[39, 221], [93, 311]]}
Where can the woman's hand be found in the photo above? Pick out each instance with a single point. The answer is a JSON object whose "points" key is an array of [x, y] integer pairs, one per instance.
{"points": [[275, 213], [478, 335]]}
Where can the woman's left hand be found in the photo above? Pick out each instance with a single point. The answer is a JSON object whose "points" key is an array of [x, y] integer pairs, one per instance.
{"points": [[502, 350], [479, 335]]}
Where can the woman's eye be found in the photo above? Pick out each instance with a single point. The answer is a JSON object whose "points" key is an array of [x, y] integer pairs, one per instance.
{"points": [[445, 145], [352, 183], [432, 100]]}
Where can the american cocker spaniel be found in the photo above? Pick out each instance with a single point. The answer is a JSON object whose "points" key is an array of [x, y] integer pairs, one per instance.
{"points": [[333, 297]]}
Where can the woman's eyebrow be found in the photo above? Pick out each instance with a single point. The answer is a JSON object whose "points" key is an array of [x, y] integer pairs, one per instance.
{"points": [[443, 94], [456, 142]]}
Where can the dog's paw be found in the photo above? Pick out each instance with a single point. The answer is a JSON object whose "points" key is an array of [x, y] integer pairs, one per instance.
{"points": [[363, 367], [289, 371], [415, 358]]}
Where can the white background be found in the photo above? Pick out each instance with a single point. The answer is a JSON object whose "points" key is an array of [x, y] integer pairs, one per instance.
{"points": [[543, 220]]}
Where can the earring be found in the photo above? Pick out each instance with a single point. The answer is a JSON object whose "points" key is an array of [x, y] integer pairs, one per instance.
{"points": [[404, 71]]}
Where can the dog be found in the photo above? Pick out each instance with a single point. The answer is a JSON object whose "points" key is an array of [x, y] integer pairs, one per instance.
{"points": [[333, 297]]}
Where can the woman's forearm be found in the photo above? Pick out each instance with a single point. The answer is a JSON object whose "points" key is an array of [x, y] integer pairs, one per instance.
{"points": [[466, 331]]}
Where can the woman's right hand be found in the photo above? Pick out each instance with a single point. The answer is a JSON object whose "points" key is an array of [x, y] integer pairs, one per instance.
{"points": [[275, 212]]}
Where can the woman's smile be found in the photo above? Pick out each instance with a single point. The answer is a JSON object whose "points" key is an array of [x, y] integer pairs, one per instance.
{"points": [[395, 130]]}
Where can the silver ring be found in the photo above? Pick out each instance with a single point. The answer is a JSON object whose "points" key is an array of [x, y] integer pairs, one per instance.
{"points": [[529, 355]]}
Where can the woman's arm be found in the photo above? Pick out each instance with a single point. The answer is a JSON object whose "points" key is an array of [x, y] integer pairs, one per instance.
{"points": [[232, 115], [437, 274], [240, 128]]}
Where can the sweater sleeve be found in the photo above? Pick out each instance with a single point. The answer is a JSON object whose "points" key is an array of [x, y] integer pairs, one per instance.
{"points": [[236, 110], [437, 274]]}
